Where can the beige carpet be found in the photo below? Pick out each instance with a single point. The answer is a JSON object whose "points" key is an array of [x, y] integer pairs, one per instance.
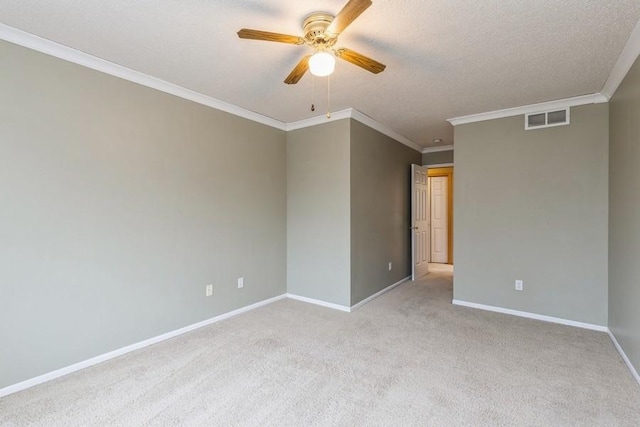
{"points": [[407, 358]]}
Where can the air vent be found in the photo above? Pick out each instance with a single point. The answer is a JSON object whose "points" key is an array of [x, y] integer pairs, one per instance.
{"points": [[546, 119]]}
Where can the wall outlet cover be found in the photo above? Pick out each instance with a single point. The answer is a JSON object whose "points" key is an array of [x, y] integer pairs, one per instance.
{"points": [[241, 282]]}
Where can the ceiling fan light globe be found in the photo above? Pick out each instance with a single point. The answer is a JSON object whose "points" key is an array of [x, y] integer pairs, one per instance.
{"points": [[322, 64]]}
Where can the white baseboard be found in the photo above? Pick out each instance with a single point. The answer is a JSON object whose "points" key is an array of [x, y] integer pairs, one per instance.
{"points": [[344, 307], [320, 303], [377, 294], [124, 350], [624, 356], [532, 315]]}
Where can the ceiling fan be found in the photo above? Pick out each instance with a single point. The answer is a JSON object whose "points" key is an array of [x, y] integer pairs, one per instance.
{"points": [[321, 31]]}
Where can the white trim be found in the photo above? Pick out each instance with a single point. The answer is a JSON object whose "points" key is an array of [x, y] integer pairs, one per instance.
{"points": [[439, 165], [352, 113], [634, 373], [623, 64], [124, 350], [320, 303], [377, 294], [57, 50], [594, 98], [531, 315], [383, 129], [318, 120], [437, 149]]}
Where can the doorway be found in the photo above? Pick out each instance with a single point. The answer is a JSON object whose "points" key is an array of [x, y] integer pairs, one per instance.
{"points": [[441, 214]]}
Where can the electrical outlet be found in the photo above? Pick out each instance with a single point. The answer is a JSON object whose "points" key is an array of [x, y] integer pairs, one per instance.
{"points": [[241, 282], [519, 285], [390, 265], [208, 290]]}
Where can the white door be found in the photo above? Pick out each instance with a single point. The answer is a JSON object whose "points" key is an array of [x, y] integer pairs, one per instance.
{"points": [[419, 221], [438, 186]]}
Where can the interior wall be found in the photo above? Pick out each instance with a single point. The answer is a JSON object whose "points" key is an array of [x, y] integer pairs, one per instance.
{"points": [[532, 205], [318, 212], [624, 215], [437, 158], [380, 210], [120, 204]]}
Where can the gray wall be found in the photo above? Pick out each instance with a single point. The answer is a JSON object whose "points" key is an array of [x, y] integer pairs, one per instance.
{"points": [[380, 210], [437, 158], [624, 215], [532, 205], [318, 219], [119, 204]]}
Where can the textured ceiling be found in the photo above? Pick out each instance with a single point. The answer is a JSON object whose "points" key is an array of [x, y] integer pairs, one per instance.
{"points": [[445, 58]]}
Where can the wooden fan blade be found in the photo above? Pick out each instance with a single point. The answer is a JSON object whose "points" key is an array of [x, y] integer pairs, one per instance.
{"points": [[347, 15], [299, 70], [270, 37], [360, 60]]}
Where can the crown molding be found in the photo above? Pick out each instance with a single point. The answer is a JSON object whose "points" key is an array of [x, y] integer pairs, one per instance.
{"points": [[352, 113], [624, 63], [437, 149], [57, 50], [66, 53], [383, 129], [318, 120], [594, 98]]}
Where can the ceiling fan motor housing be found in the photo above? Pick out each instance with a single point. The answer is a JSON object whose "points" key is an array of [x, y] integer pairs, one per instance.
{"points": [[315, 26]]}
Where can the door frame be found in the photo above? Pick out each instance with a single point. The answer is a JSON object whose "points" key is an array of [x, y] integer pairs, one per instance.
{"points": [[445, 170]]}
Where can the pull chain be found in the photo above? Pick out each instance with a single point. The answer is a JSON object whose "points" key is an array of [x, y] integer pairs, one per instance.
{"points": [[328, 97], [313, 93]]}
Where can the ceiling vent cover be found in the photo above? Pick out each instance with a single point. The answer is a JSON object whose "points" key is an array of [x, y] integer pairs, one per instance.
{"points": [[546, 119]]}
